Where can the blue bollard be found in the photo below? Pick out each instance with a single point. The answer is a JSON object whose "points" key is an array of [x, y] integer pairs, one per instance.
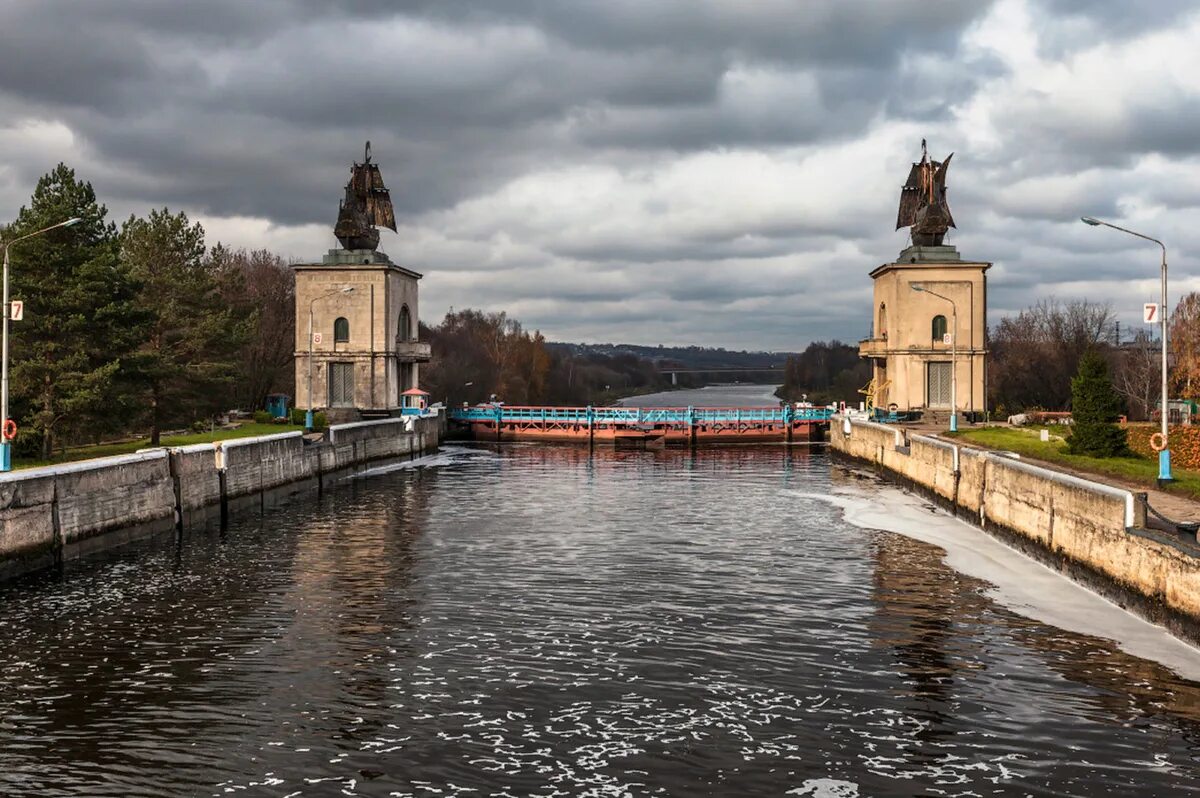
{"points": [[5, 456], [308, 419], [1164, 466]]}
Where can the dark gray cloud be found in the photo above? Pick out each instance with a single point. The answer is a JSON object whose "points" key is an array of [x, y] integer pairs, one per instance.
{"points": [[717, 160]]}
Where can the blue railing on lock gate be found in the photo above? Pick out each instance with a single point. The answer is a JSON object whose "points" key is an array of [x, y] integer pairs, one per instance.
{"points": [[640, 415]]}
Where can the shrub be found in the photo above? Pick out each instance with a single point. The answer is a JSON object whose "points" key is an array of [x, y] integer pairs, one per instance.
{"points": [[298, 416], [320, 422], [199, 426], [1095, 407], [262, 417]]}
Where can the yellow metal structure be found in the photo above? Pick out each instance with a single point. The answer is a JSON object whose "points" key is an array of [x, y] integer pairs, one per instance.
{"points": [[873, 391]]}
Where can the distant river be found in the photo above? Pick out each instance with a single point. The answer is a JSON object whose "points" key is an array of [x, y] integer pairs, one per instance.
{"points": [[713, 396], [536, 620]]}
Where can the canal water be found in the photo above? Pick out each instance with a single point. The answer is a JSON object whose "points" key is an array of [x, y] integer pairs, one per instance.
{"points": [[535, 620], [735, 395]]}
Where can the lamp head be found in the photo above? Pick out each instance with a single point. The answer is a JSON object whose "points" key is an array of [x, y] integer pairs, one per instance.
{"points": [[1092, 220], [72, 221], [348, 289], [916, 287]]}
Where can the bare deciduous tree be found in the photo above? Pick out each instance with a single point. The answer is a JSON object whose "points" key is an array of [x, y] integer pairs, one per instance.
{"points": [[1136, 372], [1036, 353], [1185, 344], [262, 284]]}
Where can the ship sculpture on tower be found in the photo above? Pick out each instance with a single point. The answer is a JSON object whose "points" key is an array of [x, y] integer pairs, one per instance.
{"points": [[367, 205], [923, 205]]}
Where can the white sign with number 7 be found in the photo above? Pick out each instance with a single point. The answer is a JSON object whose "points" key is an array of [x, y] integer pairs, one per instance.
{"points": [[1150, 313]]}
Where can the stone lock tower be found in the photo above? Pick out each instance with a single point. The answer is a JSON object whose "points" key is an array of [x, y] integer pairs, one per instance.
{"points": [[914, 337], [929, 327], [357, 314]]}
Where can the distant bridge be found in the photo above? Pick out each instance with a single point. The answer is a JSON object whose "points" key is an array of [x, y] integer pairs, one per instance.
{"points": [[674, 372]]}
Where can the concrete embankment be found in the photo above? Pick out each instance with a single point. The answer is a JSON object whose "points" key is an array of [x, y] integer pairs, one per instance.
{"points": [[59, 512], [1094, 533]]}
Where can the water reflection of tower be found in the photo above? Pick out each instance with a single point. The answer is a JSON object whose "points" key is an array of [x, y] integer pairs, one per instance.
{"points": [[917, 601], [355, 593]]}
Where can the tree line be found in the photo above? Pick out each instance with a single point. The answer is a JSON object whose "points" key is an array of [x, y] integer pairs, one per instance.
{"points": [[479, 355], [141, 327], [1037, 353], [1034, 357], [826, 372]]}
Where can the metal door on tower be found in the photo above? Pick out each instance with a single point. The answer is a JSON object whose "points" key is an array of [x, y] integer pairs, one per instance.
{"points": [[937, 388], [341, 385]]}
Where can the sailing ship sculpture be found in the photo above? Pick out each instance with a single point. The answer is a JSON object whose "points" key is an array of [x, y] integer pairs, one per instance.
{"points": [[923, 205], [367, 205]]}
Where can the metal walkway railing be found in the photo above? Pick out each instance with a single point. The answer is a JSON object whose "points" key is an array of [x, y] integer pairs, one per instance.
{"points": [[506, 414]]}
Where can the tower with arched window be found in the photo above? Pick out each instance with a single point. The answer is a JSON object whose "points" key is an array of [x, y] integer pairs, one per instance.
{"points": [[916, 346], [363, 352]]}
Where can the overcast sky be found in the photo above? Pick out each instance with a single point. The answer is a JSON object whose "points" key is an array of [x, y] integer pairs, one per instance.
{"points": [[718, 172]]}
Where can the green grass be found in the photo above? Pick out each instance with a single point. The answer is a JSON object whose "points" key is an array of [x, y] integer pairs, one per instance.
{"points": [[1027, 443], [126, 447]]}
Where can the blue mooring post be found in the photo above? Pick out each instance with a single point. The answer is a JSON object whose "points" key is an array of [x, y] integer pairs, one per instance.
{"points": [[954, 422], [308, 420], [5, 456], [1164, 463]]}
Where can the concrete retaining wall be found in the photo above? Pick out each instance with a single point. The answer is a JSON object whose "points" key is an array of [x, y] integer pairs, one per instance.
{"points": [[253, 466], [59, 512], [48, 513], [1093, 532]]}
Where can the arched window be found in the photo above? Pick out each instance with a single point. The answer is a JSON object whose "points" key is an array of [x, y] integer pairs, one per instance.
{"points": [[341, 330], [939, 328], [882, 321], [404, 328]]}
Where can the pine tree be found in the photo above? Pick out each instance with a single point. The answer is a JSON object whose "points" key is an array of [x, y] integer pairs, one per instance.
{"points": [[187, 360], [1095, 406], [80, 319]]}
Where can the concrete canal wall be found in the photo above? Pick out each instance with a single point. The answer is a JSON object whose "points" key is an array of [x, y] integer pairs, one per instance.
{"points": [[1094, 533], [59, 512]]}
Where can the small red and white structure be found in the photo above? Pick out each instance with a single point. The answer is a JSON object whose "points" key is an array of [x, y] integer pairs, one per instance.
{"points": [[414, 402]]}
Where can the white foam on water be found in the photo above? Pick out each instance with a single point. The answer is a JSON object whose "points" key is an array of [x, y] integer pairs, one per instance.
{"points": [[826, 788], [1020, 583], [446, 455]]}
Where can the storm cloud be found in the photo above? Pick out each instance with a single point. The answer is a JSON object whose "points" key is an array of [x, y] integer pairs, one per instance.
{"points": [[665, 171]]}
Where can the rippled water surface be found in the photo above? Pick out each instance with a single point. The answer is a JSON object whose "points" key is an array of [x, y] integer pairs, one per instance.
{"points": [[743, 395], [531, 621]]}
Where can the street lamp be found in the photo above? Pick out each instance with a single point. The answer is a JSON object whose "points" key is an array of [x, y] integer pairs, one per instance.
{"points": [[953, 352], [5, 444], [308, 416], [1164, 457]]}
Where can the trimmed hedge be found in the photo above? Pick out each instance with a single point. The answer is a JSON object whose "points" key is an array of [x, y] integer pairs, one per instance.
{"points": [[1185, 443]]}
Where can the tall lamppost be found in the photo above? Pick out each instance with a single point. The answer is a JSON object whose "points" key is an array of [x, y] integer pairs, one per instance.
{"points": [[308, 416], [953, 352], [1164, 457], [5, 444]]}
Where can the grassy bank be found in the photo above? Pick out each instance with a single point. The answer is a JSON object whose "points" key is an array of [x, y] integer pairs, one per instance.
{"points": [[127, 447], [1134, 470]]}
